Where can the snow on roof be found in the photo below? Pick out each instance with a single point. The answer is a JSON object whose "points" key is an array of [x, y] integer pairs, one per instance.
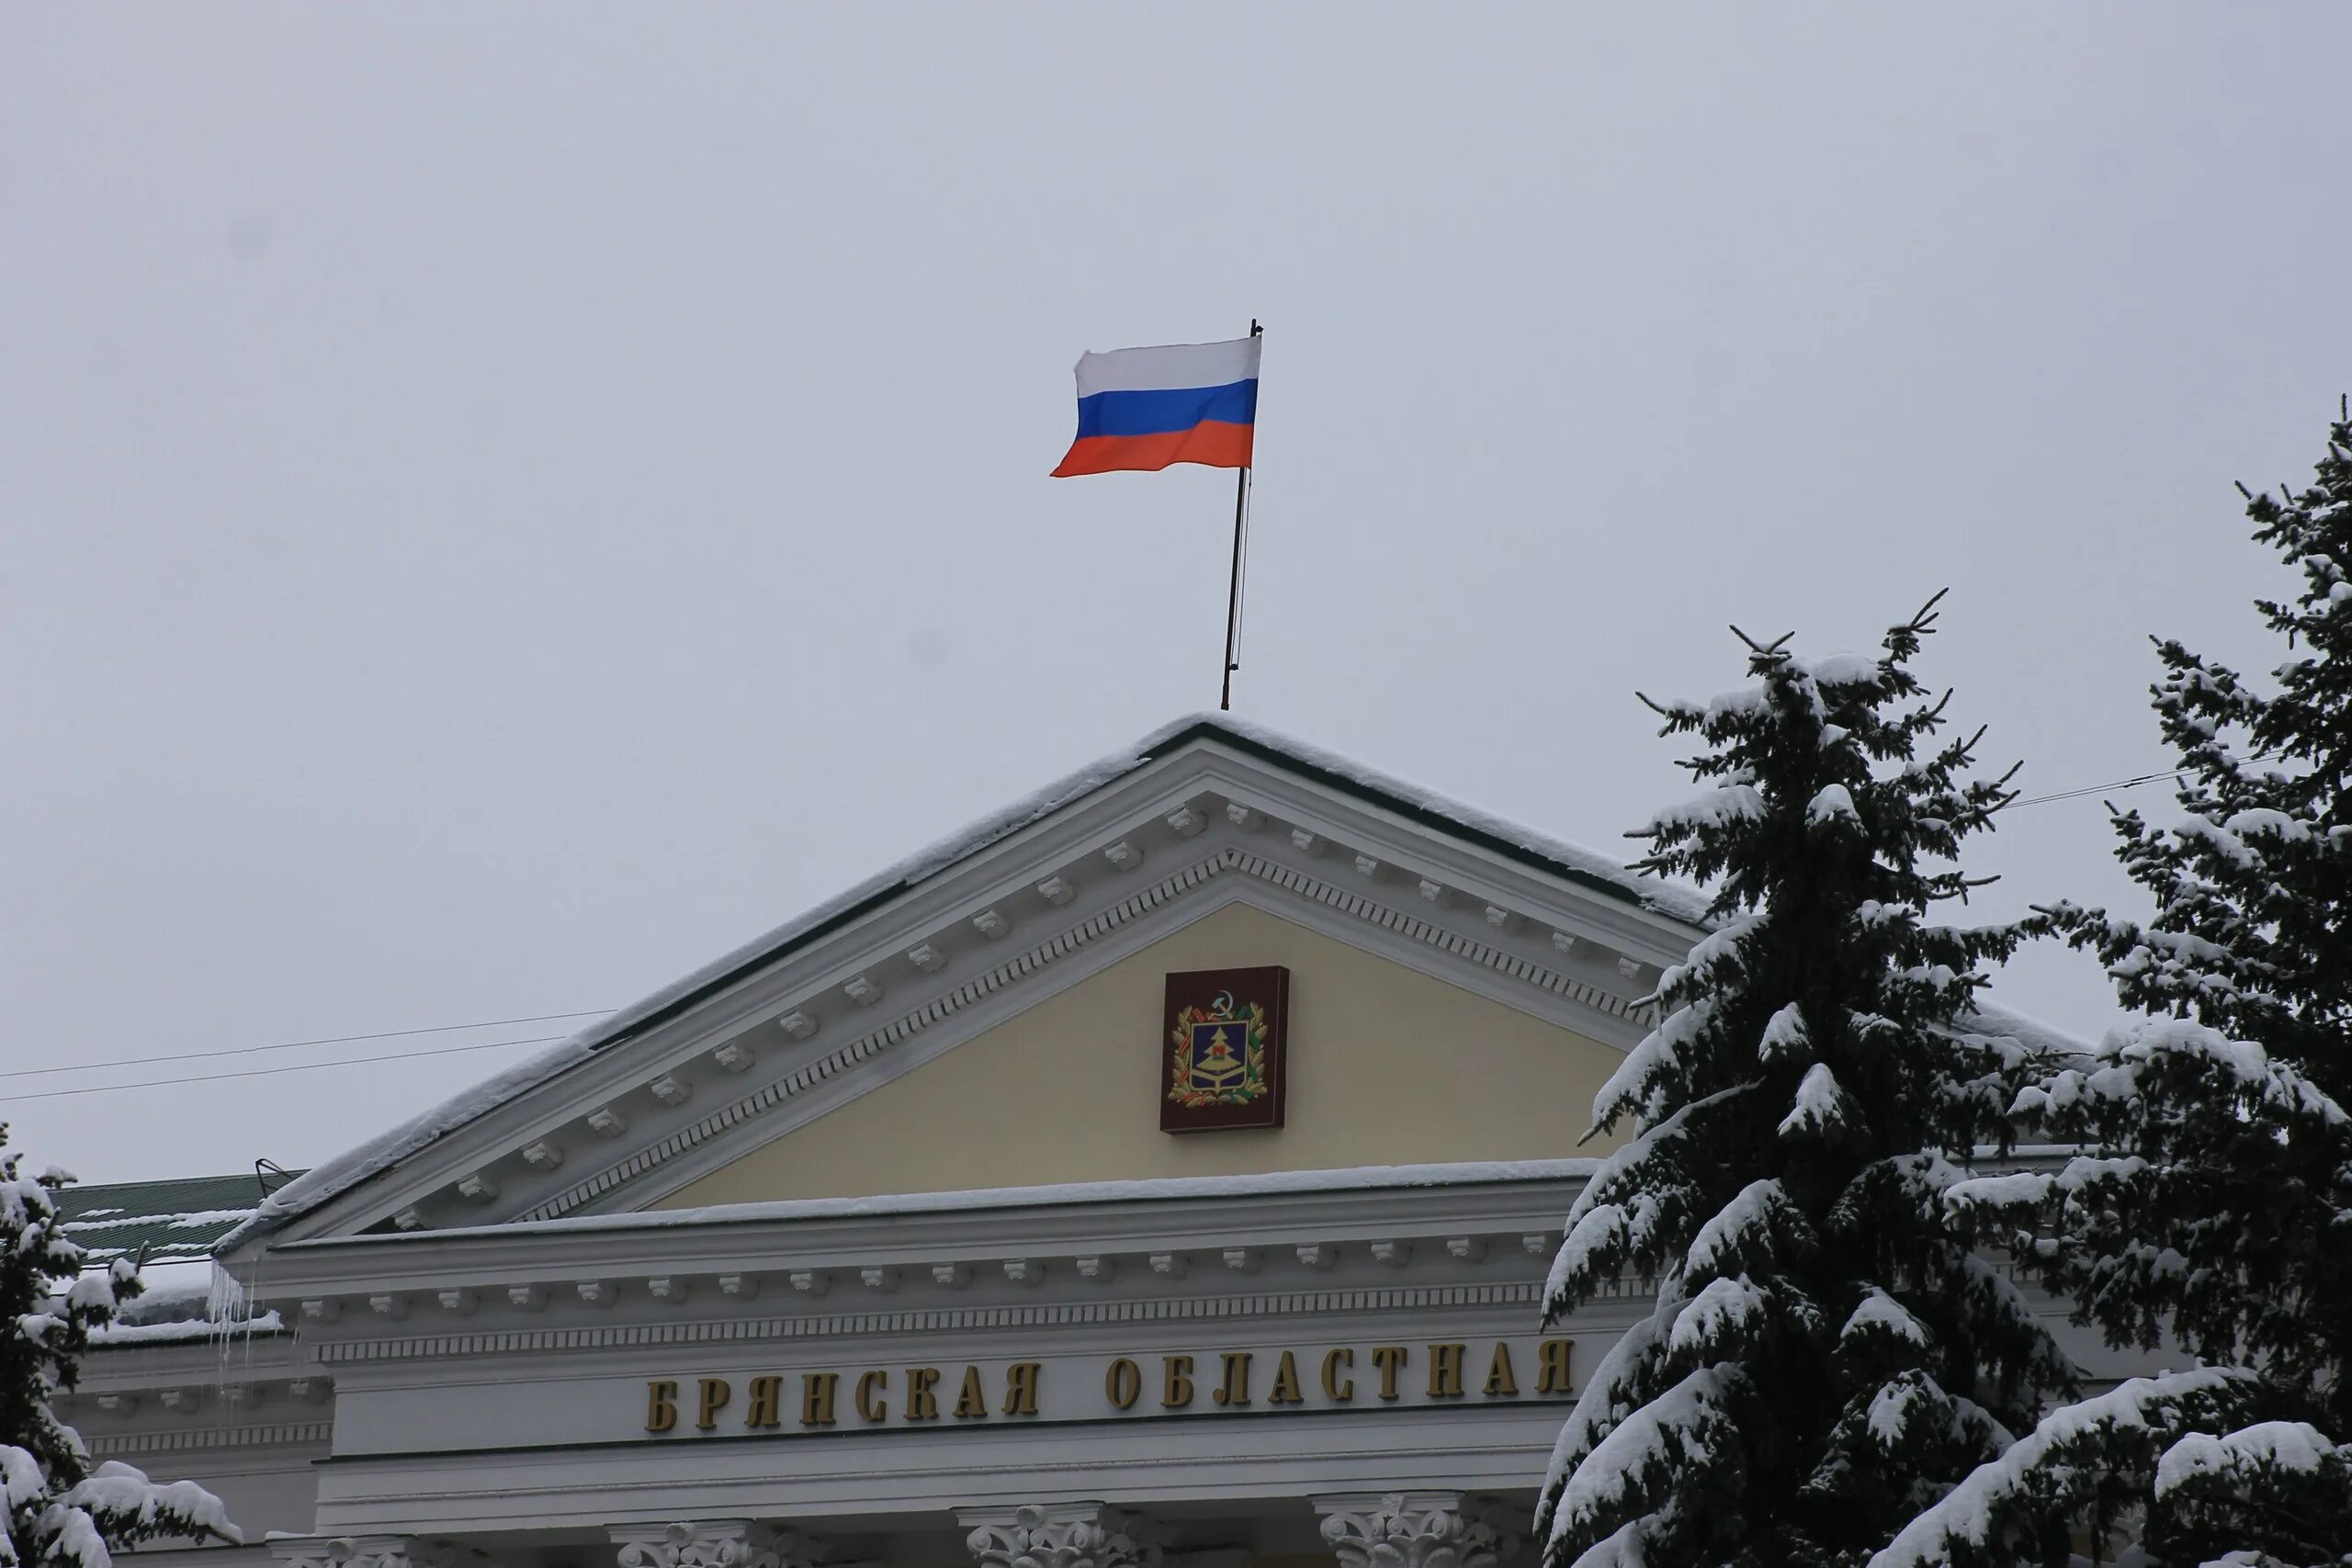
{"points": [[167, 1221], [1992, 1018], [1602, 872], [1588, 867], [187, 1331], [183, 1301]]}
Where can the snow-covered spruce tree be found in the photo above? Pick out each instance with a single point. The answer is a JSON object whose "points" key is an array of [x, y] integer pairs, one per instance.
{"points": [[1827, 1355], [2216, 1205], [61, 1511]]}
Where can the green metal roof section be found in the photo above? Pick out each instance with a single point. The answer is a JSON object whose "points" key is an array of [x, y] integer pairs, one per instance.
{"points": [[173, 1221]]}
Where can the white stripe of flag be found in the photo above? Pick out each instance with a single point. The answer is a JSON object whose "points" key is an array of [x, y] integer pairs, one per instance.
{"points": [[1169, 367]]}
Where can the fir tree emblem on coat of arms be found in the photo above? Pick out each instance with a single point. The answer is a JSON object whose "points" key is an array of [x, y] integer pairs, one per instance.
{"points": [[1222, 1053], [1220, 1056]]}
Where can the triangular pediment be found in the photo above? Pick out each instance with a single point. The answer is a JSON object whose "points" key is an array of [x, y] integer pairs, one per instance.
{"points": [[987, 1014]]}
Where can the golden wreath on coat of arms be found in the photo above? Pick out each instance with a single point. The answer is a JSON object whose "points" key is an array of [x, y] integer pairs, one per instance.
{"points": [[1219, 1054]]}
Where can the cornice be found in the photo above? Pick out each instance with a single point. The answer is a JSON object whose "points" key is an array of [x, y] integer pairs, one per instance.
{"points": [[1260, 1306], [622, 1281], [767, 1242]]}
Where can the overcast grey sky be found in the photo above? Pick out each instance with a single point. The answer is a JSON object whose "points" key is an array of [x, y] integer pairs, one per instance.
{"points": [[502, 503]]}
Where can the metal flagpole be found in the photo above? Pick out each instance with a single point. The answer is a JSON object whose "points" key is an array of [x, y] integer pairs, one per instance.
{"points": [[1233, 590]]}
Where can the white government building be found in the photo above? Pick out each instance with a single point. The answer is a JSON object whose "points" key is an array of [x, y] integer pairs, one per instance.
{"points": [[872, 1243]]}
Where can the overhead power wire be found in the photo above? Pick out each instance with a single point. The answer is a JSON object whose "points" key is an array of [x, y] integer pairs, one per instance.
{"points": [[299, 1044], [2099, 788], [296, 1067], [2123, 783]]}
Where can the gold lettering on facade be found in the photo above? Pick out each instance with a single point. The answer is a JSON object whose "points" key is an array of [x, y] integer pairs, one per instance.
{"points": [[1451, 1371], [1235, 1389], [1498, 1375], [972, 1404], [871, 1386], [1285, 1389], [1122, 1385], [1552, 1366], [1178, 1392], [715, 1395], [1021, 1388], [1337, 1389], [1445, 1372], [922, 1404]]}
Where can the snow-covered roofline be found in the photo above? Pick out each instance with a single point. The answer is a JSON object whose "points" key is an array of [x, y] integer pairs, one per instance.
{"points": [[1160, 1188], [1587, 868], [1991, 1018]]}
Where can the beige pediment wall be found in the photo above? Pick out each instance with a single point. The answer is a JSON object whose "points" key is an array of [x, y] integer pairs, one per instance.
{"points": [[1387, 1067]]}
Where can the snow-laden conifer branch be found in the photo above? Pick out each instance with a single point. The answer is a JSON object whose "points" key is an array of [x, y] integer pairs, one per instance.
{"points": [[2086, 1461], [56, 1511], [1827, 1355], [1646, 1467], [2300, 1478], [2212, 1206]]}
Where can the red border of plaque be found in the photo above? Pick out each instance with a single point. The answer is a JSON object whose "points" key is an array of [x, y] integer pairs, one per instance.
{"points": [[1222, 1035]]}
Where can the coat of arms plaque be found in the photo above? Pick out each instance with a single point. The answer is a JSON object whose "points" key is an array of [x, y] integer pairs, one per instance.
{"points": [[1221, 1049]]}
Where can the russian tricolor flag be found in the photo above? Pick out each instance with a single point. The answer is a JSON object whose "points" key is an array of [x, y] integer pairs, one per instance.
{"points": [[1184, 402]]}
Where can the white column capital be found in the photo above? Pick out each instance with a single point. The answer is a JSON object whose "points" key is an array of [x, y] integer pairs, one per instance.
{"points": [[714, 1543], [374, 1551], [1062, 1535], [1417, 1530]]}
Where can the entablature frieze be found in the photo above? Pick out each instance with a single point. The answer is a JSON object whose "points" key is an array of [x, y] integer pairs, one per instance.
{"points": [[1253, 1465], [994, 1399]]}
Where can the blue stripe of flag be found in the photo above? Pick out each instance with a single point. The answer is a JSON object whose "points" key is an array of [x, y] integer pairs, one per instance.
{"points": [[1157, 413]]}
